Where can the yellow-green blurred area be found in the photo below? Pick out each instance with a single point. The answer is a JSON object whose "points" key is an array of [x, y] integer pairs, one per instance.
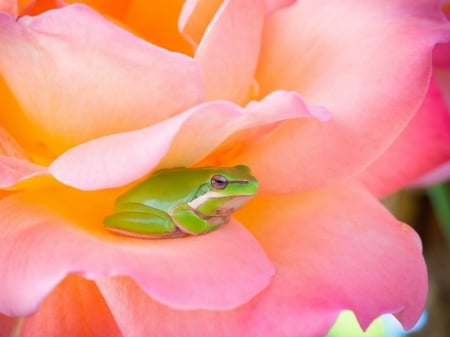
{"points": [[385, 326], [428, 212]]}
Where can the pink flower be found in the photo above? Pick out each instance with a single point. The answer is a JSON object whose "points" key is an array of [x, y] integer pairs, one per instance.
{"points": [[329, 105]]}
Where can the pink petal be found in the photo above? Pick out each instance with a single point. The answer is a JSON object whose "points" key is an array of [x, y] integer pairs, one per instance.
{"points": [[441, 55], [197, 14], [228, 52], [340, 249], [442, 76], [333, 249], [86, 77], [272, 5], [138, 315], [324, 53], [249, 125], [438, 175], [14, 165], [74, 308], [14, 170], [421, 147], [46, 236], [119, 159]]}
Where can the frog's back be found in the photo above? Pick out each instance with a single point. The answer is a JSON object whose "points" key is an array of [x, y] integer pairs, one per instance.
{"points": [[164, 189]]}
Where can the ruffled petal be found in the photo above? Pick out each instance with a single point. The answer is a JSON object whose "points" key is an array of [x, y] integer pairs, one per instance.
{"points": [[325, 55], [333, 249], [82, 85], [74, 308], [340, 249], [239, 131], [228, 52], [119, 159], [45, 237], [421, 147]]}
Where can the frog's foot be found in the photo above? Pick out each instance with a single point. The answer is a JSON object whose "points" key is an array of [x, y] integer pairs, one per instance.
{"points": [[142, 221], [193, 222]]}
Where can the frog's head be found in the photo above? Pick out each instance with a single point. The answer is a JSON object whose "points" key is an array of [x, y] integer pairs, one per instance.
{"points": [[226, 190], [232, 181]]}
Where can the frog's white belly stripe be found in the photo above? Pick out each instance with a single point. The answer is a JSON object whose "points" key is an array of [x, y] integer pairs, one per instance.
{"points": [[236, 201]]}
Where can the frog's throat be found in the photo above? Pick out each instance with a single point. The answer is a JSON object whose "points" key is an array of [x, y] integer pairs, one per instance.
{"points": [[195, 204]]}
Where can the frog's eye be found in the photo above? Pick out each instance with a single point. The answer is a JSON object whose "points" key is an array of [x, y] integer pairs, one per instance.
{"points": [[219, 182]]}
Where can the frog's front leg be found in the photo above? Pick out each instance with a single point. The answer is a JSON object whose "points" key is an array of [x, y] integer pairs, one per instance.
{"points": [[194, 223], [139, 220]]}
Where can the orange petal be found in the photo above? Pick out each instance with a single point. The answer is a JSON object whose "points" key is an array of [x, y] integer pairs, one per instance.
{"points": [[74, 308], [228, 52], [80, 85]]}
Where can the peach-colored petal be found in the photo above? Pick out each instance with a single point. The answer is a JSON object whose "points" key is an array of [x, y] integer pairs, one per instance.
{"points": [[8, 6], [367, 62], [80, 85], [333, 249], [422, 146], [228, 52], [74, 308], [45, 237], [182, 140], [195, 16]]}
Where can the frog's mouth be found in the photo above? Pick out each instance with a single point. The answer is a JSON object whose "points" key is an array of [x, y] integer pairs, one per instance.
{"points": [[232, 205], [229, 205]]}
